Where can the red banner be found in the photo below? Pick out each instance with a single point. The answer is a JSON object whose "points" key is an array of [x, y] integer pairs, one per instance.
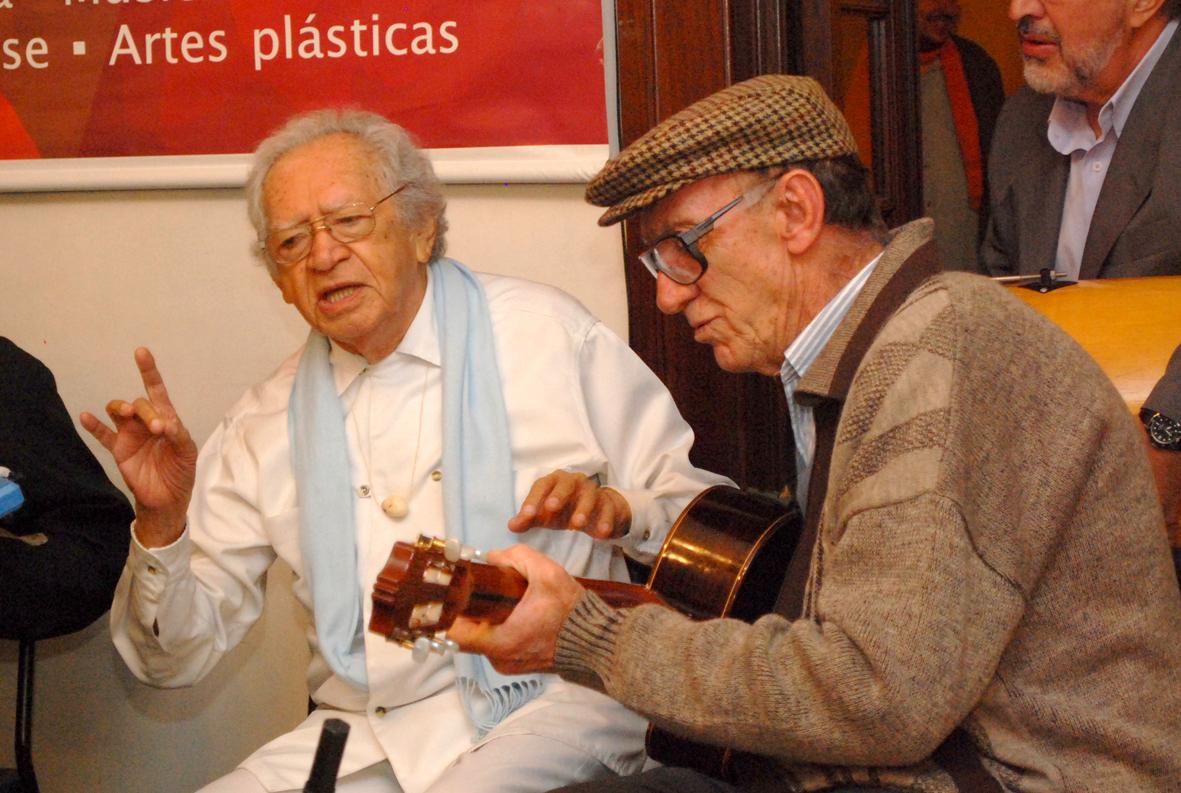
{"points": [[112, 78]]}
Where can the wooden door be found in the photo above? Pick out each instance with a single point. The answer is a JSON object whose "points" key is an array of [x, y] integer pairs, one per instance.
{"points": [[834, 38]]}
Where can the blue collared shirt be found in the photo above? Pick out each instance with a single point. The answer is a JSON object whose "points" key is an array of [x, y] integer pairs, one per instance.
{"points": [[1070, 134], [798, 357]]}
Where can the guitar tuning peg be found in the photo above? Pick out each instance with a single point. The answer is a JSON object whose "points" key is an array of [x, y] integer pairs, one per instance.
{"points": [[470, 554], [425, 645], [452, 550], [443, 646], [422, 649]]}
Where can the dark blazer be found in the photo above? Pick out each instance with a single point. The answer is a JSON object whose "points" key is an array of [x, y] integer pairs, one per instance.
{"points": [[1136, 228], [987, 90], [1166, 395], [66, 583], [1166, 398]]}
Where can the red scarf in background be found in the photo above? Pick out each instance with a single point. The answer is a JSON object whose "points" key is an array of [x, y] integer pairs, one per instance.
{"points": [[963, 114]]}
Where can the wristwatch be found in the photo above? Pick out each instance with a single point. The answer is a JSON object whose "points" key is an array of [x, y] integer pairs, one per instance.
{"points": [[1163, 432]]}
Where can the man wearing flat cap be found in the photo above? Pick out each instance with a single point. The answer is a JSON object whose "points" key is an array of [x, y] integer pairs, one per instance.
{"points": [[982, 598]]}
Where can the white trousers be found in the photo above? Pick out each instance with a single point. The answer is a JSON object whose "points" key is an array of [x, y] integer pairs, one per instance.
{"points": [[512, 764]]}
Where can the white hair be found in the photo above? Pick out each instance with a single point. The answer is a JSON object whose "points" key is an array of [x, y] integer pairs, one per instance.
{"points": [[399, 162]]}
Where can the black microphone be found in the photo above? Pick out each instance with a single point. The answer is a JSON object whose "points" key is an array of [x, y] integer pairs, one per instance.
{"points": [[328, 753]]}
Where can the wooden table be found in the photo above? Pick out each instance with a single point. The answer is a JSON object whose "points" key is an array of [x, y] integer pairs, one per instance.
{"points": [[1130, 326]]}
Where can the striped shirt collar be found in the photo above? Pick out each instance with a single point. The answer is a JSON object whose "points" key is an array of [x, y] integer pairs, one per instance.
{"points": [[798, 358], [807, 346]]}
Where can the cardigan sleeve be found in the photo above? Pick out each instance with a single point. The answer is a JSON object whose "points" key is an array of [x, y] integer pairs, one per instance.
{"points": [[901, 656]]}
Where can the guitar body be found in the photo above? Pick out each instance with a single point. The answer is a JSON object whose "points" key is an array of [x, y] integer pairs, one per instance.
{"points": [[724, 557]]}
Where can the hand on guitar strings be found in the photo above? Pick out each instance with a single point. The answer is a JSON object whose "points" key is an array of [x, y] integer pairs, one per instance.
{"points": [[155, 454], [569, 500], [526, 640]]}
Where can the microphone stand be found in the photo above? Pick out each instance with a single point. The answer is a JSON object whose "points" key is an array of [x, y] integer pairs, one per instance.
{"points": [[329, 750]]}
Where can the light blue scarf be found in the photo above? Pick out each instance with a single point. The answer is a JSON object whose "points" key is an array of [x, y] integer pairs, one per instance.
{"points": [[477, 491]]}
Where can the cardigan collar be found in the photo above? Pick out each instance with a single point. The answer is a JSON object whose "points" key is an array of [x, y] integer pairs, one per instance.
{"points": [[908, 260]]}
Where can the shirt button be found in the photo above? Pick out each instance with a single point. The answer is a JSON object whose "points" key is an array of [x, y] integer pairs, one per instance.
{"points": [[363, 491], [380, 710], [1096, 167], [647, 534], [436, 475], [152, 569]]}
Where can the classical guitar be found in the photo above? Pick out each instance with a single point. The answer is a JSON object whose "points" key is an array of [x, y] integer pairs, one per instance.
{"points": [[725, 556]]}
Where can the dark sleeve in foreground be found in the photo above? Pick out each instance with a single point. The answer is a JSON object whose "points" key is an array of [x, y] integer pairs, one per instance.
{"points": [[66, 583], [987, 90], [1024, 202], [1166, 398]]}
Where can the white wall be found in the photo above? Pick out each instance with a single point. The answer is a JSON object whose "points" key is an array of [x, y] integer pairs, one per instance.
{"points": [[84, 279]]}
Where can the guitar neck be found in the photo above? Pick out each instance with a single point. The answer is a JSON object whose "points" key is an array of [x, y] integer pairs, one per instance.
{"points": [[724, 556], [491, 593], [620, 595]]}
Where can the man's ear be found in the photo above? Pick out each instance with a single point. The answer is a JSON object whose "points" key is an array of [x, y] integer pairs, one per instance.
{"points": [[424, 241], [799, 200], [1140, 11]]}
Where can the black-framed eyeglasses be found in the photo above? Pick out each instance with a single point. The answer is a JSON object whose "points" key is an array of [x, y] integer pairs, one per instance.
{"points": [[291, 245], [677, 255]]}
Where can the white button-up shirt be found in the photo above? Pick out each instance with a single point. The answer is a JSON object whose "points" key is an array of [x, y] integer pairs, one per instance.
{"points": [[577, 398]]}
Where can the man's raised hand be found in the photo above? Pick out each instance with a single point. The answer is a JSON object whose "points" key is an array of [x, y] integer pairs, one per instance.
{"points": [[155, 454]]}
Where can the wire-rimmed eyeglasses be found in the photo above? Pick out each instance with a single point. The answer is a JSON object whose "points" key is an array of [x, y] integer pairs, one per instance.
{"points": [[291, 245], [677, 255]]}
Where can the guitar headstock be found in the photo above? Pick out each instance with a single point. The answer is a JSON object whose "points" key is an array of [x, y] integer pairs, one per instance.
{"points": [[423, 588]]}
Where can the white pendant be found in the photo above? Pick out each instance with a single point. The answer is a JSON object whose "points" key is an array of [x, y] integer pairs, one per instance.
{"points": [[395, 507]]}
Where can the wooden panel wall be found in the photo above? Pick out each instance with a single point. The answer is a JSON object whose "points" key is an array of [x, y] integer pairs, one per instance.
{"points": [[672, 53]]}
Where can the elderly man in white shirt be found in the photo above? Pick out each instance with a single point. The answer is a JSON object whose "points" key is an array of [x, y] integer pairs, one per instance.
{"points": [[427, 399]]}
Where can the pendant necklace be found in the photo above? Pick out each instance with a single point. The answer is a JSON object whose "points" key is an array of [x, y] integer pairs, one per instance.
{"points": [[397, 505]]}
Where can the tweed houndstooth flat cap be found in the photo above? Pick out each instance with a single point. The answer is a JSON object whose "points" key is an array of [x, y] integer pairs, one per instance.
{"points": [[769, 120]]}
